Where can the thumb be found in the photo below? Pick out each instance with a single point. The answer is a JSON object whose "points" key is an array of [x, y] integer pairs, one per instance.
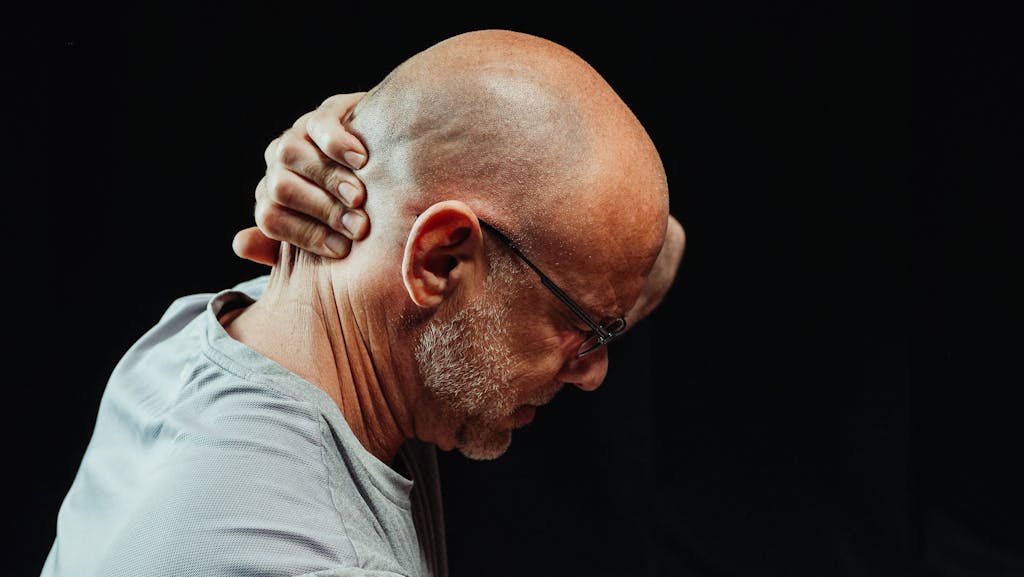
{"points": [[252, 244]]}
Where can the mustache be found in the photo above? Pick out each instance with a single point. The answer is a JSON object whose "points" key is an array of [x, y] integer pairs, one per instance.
{"points": [[544, 397]]}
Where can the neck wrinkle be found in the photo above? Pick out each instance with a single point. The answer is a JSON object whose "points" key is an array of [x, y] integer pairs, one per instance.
{"points": [[350, 371], [340, 341]]}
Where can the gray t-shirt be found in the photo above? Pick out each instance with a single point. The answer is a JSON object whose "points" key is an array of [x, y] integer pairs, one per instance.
{"points": [[209, 459]]}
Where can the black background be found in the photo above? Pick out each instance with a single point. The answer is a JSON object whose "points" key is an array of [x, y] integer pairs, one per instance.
{"points": [[824, 390]]}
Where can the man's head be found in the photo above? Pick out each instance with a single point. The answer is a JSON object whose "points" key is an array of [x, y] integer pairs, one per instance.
{"points": [[518, 132]]}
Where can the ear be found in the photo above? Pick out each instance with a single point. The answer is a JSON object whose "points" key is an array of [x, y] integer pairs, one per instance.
{"points": [[444, 250]]}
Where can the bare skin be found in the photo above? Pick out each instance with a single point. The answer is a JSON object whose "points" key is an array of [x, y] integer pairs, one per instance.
{"points": [[356, 325], [309, 196], [302, 215]]}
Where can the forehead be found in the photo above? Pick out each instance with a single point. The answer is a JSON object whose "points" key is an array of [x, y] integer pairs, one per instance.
{"points": [[597, 229], [604, 284]]}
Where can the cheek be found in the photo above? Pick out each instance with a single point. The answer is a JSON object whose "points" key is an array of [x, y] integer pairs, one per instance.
{"points": [[536, 363], [541, 341], [544, 337]]}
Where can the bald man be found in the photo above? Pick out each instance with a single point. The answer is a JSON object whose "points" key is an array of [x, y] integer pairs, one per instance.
{"points": [[310, 197], [287, 426]]}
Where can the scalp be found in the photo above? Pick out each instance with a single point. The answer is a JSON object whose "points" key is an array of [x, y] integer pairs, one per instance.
{"points": [[531, 136]]}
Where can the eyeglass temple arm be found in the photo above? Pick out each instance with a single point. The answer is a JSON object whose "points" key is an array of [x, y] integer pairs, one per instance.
{"points": [[596, 327]]}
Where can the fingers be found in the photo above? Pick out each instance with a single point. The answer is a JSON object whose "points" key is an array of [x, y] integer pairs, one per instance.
{"points": [[306, 198], [279, 221], [295, 152], [302, 179], [310, 196], [324, 127], [252, 244]]}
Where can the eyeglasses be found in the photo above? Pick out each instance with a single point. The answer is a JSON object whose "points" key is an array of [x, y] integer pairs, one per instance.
{"points": [[601, 333]]}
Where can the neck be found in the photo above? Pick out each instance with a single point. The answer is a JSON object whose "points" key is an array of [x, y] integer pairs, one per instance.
{"points": [[313, 326]]}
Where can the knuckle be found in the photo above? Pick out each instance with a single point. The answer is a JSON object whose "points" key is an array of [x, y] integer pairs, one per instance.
{"points": [[331, 145], [283, 191], [288, 151], [264, 216], [333, 214], [270, 183], [323, 174], [271, 150], [315, 235], [300, 122], [329, 101], [304, 233], [273, 223], [261, 188]]}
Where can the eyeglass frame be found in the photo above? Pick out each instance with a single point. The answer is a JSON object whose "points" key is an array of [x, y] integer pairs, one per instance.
{"points": [[604, 332]]}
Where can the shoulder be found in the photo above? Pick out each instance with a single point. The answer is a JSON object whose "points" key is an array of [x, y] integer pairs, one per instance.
{"points": [[238, 493]]}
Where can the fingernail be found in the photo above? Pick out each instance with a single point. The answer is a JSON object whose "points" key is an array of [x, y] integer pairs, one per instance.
{"points": [[354, 222], [338, 244], [348, 192], [354, 159]]}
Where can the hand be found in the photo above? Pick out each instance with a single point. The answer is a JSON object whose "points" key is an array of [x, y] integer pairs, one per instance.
{"points": [[662, 274], [309, 196]]}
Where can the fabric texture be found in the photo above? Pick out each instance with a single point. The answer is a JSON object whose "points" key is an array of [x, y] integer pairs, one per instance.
{"points": [[209, 459]]}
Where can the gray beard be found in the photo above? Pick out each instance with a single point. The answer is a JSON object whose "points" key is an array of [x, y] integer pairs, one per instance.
{"points": [[465, 365]]}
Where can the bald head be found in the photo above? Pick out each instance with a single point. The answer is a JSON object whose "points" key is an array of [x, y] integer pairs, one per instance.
{"points": [[531, 137], [437, 311]]}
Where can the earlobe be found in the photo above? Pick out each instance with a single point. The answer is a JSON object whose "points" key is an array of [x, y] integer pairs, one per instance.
{"points": [[443, 251]]}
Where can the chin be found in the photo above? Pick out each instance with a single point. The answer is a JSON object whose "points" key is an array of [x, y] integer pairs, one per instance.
{"points": [[483, 445]]}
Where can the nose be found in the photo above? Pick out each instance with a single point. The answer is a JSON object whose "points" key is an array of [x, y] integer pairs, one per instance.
{"points": [[586, 372]]}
